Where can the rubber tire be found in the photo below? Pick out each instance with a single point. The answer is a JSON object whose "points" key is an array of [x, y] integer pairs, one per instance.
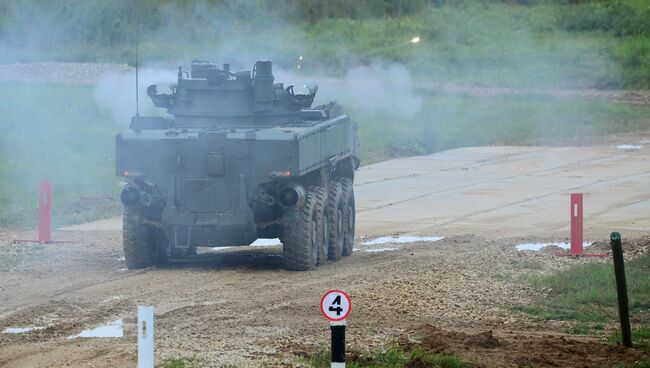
{"points": [[303, 232], [350, 216], [324, 229], [139, 243], [335, 208]]}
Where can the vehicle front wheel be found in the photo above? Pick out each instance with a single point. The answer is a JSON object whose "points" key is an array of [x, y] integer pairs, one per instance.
{"points": [[140, 242], [303, 232]]}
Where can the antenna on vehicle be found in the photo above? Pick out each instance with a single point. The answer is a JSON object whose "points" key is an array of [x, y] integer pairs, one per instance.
{"points": [[137, 39]]}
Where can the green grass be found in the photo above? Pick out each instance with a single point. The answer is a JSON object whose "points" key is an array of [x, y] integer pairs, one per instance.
{"points": [[640, 337], [390, 358], [587, 294], [54, 132], [455, 120], [184, 363]]}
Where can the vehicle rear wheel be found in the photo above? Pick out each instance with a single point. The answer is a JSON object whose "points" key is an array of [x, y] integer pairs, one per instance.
{"points": [[303, 232], [349, 214], [335, 211], [140, 242]]}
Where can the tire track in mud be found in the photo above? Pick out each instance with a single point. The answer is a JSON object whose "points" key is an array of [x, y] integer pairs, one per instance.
{"points": [[73, 288]]}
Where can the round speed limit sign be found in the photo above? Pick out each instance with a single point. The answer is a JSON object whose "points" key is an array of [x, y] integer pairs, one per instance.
{"points": [[335, 305]]}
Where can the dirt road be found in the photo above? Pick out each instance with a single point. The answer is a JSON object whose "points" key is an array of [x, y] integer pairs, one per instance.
{"points": [[239, 306]]}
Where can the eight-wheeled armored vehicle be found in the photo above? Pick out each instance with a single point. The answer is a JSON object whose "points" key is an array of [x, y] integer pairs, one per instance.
{"points": [[237, 158]]}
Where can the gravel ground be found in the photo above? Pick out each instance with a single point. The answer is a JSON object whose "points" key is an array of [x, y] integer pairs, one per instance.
{"points": [[240, 307]]}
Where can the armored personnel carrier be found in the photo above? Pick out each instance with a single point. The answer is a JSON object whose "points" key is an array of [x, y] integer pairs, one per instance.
{"points": [[237, 158]]}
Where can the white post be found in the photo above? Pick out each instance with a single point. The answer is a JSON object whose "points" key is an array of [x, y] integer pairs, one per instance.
{"points": [[145, 337]]}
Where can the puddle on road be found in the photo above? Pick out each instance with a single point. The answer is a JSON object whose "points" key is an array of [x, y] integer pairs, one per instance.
{"points": [[537, 246], [266, 242], [220, 248], [262, 242], [401, 239], [374, 250], [19, 330], [629, 147], [113, 329]]}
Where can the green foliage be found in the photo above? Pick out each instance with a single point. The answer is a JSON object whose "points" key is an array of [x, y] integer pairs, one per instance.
{"points": [[587, 293], [619, 18], [640, 337], [562, 44], [184, 363], [436, 360], [393, 357]]}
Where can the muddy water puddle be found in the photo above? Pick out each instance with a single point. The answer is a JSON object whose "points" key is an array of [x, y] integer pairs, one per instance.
{"points": [[112, 329], [538, 246], [402, 239], [19, 330], [375, 245]]}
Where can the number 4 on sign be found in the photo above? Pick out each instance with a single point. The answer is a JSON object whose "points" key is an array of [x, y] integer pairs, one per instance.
{"points": [[337, 301], [335, 305]]}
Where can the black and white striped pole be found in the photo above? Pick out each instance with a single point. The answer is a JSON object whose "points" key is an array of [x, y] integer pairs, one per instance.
{"points": [[338, 344], [336, 306]]}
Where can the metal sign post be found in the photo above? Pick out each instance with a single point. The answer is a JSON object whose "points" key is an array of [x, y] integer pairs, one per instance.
{"points": [[145, 337], [45, 212], [338, 344], [336, 305], [577, 232], [576, 225], [621, 288], [44, 216]]}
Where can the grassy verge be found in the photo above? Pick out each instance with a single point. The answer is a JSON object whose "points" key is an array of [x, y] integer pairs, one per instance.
{"points": [[458, 120], [587, 293], [586, 296], [393, 358], [188, 363], [55, 132]]}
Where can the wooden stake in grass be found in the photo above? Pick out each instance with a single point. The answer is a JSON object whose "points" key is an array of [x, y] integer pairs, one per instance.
{"points": [[621, 288]]}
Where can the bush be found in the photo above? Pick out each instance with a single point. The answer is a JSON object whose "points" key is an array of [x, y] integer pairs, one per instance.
{"points": [[617, 18]]}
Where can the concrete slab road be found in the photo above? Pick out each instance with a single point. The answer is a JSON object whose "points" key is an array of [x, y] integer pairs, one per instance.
{"points": [[499, 192], [507, 191]]}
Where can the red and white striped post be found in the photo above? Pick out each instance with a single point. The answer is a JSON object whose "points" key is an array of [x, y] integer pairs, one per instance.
{"points": [[45, 212], [576, 225]]}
